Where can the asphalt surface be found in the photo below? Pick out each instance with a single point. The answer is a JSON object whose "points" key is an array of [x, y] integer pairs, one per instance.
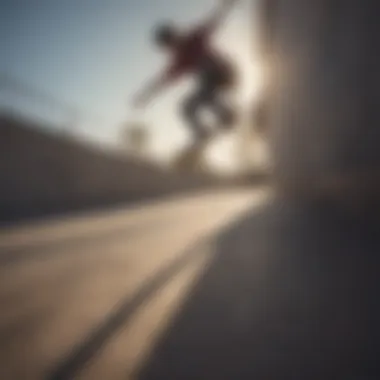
{"points": [[88, 297], [234, 285]]}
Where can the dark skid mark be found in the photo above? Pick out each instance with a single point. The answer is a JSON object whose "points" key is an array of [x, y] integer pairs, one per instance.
{"points": [[82, 354]]}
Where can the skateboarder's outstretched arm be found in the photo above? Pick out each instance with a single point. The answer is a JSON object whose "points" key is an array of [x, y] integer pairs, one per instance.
{"points": [[152, 89], [218, 16], [158, 84]]}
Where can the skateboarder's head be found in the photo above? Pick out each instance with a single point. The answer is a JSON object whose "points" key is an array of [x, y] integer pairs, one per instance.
{"points": [[166, 35]]}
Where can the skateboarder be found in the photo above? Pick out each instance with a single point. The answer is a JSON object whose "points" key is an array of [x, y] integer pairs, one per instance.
{"points": [[192, 53]]}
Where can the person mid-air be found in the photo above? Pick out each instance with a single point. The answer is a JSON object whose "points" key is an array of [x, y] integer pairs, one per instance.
{"points": [[192, 53]]}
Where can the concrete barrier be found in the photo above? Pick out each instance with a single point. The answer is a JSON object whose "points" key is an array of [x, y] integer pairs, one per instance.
{"points": [[323, 111], [41, 173]]}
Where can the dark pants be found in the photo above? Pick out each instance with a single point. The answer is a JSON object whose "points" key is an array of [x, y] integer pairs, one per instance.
{"points": [[212, 93]]}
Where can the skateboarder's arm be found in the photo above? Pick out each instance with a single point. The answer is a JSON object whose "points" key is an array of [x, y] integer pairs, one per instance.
{"points": [[219, 15], [150, 91], [158, 85]]}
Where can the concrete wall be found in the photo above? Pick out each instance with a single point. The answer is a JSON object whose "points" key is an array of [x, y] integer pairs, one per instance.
{"points": [[42, 173], [323, 108]]}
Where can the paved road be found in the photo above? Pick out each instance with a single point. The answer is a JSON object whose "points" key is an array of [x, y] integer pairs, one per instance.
{"points": [[89, 297], [214, 286]]}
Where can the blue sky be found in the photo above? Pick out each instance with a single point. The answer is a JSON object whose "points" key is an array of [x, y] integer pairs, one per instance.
{"points": [[95, 54]]}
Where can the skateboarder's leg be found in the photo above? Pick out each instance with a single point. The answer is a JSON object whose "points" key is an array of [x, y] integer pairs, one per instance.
{"points": [[217, 88], [223, 109], [191, 113]]}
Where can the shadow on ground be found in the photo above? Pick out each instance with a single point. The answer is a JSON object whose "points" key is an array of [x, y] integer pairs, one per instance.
{"points": [[292, 293], [76, 360]]}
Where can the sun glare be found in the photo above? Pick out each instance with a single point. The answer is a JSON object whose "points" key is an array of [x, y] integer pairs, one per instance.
{"points": [[221, 155]]}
